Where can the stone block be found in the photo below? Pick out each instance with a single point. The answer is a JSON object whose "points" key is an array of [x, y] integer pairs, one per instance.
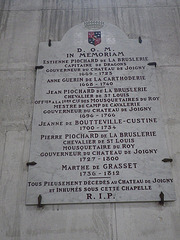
{"points": [[16, 94], [19, 33]]}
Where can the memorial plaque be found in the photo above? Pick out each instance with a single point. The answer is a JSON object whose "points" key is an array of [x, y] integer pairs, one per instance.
{"points": [[98, 132]]}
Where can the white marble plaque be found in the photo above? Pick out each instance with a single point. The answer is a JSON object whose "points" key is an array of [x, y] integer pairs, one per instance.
{"points": [[98, 132]]}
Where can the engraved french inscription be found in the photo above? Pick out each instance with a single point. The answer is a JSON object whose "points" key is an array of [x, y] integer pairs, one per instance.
{"points": [[98, 132]]}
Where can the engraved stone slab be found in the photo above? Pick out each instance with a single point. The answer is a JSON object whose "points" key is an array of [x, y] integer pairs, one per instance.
{"points": [[98, 133]]}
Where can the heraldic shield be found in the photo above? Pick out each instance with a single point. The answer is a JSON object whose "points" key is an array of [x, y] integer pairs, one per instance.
{"points": [[94, 38]]}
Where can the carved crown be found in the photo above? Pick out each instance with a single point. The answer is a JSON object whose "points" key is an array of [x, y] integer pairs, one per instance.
{"points": [[93, 25]]}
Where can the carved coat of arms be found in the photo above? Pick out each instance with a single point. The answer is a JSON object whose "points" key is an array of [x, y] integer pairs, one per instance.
{"points": [[94, 38]]}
